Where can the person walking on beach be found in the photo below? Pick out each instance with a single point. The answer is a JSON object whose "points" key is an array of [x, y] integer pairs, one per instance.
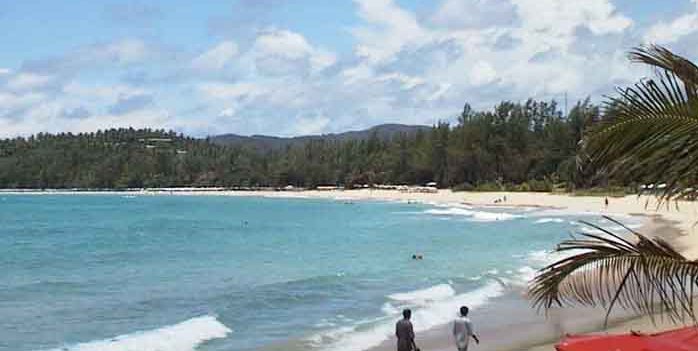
{"points": [[405, 332], [463, 330]]}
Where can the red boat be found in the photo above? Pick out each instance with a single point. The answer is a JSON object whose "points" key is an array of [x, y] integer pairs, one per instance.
{"points": [[684, 339]]}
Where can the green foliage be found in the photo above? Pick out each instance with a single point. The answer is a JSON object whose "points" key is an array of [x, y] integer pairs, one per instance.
{"points": [[514, 143], [488, 186], [610, 191], [463, 187], [650, 135], [642, 274]]}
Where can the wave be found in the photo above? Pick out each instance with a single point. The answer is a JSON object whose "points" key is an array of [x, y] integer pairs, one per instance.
{"points": [[418, 297], [536, 260], [184, 336], [441, 310], [475, 216], [549, 220]]}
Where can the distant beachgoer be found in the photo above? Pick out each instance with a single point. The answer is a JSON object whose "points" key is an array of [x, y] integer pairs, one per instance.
{"points": [[414, 257], [405, 333], [505, 198], [605, 201], [463, 330]]}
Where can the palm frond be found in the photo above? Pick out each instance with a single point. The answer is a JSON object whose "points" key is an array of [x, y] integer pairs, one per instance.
{"points": [[662, 58], [645, 275], [650, 133]]}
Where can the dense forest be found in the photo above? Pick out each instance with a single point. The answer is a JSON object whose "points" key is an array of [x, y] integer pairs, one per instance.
{"points": [[521, 146]]}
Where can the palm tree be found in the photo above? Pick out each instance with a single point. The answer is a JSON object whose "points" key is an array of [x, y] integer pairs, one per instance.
{"points": [[650, 137]]}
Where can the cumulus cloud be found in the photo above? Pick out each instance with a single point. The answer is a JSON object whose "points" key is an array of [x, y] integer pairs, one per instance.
{"points": [[283, 52], [403, 66], [217, 57], [673, 31], [388, 29], [461, 14], [76, 113], [27, 81], [119, 53]]}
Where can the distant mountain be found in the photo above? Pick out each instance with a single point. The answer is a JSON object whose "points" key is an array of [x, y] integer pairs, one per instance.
{"points": [[265, 142]]}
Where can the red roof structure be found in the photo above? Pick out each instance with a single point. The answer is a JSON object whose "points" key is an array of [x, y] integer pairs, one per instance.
{"points": [[684, 339]]}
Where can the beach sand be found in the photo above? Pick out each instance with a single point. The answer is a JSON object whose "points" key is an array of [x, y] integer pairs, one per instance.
{"points": [[674, 222]]}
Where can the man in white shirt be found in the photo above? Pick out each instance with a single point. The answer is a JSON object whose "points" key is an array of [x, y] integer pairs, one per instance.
{"points": [[463, 330]]}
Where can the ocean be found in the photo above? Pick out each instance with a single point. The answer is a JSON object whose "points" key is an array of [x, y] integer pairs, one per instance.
{"points": [[121, 272]]}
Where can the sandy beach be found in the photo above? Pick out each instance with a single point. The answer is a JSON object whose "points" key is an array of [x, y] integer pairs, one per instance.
{"points": [[675, 222]]}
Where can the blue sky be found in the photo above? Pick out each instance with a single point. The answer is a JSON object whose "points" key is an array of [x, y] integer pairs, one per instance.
{"points": [[294, 67]]}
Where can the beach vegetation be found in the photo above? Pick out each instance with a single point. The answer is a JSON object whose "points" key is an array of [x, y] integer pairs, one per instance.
{"points": [[532, 142], [638, 273], [649, 138]]}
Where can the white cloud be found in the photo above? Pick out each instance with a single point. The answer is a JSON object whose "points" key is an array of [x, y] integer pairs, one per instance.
{"points": [[227, 91], [28, 81], [671, 32], [11, 103], [405, 66], [227, 112], [482, 73], [406, 82], [388, 29], [458, 14], [552, 23], [123, 52], [281, 52], [309, 125], [217, 57]]}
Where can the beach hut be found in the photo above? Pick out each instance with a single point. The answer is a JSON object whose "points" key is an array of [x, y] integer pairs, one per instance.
{"points": [[683, 339]]}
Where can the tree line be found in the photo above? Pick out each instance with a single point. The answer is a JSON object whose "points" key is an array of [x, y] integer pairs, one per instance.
{"points": [[523, 146]]}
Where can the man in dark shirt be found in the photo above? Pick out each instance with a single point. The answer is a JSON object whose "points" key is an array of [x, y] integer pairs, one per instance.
{"points": [[405, 333]]}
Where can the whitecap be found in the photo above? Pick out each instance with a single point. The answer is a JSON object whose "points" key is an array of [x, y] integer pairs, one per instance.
{"points": [[184, 336], [371, 333], [422, 296], [549, 220], [475, 216]]}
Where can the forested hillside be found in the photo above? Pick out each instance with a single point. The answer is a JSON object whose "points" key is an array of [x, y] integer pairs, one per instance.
{"points": [[531, 145], [267, 143]]}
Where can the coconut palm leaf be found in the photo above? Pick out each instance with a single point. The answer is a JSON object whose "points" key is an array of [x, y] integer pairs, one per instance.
{"points": [[642, 274], [650, 133]]}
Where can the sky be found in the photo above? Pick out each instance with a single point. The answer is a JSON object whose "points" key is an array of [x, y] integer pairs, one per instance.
{"points": [[282, 67]]}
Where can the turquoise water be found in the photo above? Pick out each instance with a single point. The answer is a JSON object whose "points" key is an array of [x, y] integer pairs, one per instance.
{"points": [[114, 272]]}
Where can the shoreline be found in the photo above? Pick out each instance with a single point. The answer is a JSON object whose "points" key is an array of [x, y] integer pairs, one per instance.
{"points": [[681, 214], [675, 224]]}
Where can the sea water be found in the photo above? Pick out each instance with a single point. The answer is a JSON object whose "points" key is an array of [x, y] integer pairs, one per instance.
{"points": [[179, 273]]}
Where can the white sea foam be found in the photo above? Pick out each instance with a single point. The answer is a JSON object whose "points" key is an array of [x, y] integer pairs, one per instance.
{"points": [[422, 296], [475, 216], [440, 311], [184, 336], [549, 220], [536, 260]]}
